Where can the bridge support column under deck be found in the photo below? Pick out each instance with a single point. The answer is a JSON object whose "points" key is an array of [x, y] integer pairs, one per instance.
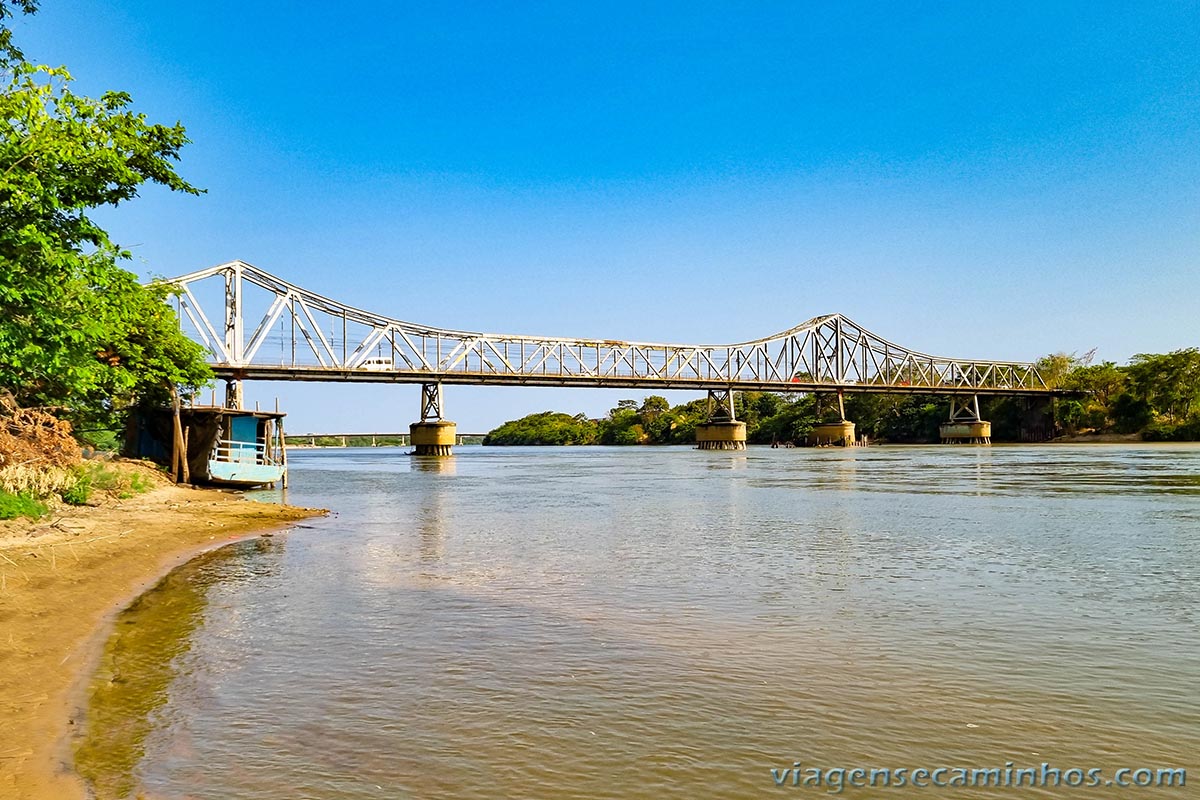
{"points": [[965, 426], [833, 434], [233, 394], [722, 431], [432, 436]]}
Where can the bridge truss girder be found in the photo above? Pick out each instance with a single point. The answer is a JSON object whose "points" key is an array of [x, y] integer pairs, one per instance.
{"points": [[826, 353]]}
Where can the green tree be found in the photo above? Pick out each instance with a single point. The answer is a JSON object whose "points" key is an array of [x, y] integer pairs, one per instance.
{"points": [[1055, 368], [1131, 414], [76, 329], [9, 52], [1169, 383], [1102, 381], [654, 405], [546, 428], [792, 422], [622, 425]]}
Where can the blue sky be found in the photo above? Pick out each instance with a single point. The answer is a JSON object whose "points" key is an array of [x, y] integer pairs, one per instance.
{"points": [[995, 182]]}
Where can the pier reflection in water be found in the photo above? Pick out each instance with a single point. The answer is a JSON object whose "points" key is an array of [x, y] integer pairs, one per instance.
{"points": [[625, 623]]}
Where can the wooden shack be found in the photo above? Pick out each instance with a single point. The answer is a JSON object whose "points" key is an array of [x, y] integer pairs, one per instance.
{"points": [[224, 446]]}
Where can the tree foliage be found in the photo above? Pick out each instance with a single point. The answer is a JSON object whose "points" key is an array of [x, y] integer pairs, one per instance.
{"points": [[76, 329], [9, 52], [1055, 368], [1169, 384], [1157, 394], [546, 428], [770, 418]]}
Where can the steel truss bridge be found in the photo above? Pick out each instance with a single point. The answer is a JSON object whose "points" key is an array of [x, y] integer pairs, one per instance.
{"points": [[257, 326]]}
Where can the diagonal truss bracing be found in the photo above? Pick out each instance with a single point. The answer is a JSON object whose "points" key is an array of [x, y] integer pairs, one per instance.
{"points": [[301, 335]]}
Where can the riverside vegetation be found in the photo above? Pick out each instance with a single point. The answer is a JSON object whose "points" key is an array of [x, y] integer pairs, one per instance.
{"points": [[82, 341], [1157, 396]]}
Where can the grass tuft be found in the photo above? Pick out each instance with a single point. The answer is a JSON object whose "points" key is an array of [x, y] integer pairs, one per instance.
{"points": [[21, 504]]}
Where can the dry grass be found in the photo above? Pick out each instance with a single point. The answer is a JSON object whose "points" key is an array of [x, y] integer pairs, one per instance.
{"points": [[36, 481]]}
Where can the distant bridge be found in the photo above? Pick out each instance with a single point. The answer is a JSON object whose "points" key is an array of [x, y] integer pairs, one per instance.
{"points": [[259, 327], [344, 438]]}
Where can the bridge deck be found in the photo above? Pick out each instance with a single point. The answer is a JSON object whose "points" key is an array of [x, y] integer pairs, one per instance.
{"points": [[335, 374]]}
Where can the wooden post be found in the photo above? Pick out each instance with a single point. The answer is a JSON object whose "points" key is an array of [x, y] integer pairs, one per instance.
{"points": [[174, 455], [187, 467], [178, 448], [283, 452]]}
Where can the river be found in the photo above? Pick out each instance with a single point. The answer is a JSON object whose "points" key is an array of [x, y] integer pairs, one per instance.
{"points": [[666, 622]]}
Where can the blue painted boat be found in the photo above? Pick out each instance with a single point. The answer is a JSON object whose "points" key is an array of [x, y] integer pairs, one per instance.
{"points": [[247, 450]]}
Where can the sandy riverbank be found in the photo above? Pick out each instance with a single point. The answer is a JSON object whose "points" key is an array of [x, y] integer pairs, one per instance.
{"points": [[62, 579]]}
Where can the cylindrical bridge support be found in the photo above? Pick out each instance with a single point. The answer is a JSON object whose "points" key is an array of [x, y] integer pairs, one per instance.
{"points": [[729, 435], [965, 426], [722, 431], [836, 434], [432, 436]]}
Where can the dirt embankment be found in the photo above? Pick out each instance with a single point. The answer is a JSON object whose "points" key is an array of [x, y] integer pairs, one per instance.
{"points": [[62, 579]]}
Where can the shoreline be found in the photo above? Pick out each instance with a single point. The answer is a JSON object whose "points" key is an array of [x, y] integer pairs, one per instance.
{"points": [[63, 581]]}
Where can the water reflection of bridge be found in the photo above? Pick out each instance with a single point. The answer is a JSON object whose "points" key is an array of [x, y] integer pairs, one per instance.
{"points": [[297, 335]]}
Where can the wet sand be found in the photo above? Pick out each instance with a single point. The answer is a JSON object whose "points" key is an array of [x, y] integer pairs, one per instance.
{"points": [[62, 580]]}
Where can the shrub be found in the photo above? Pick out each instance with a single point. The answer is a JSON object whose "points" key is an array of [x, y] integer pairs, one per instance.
{"points": [[99, 477], [1166, 432], [80, 492]]}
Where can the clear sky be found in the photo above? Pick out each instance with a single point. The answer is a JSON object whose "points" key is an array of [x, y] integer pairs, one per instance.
{"points": [[972, 180]]}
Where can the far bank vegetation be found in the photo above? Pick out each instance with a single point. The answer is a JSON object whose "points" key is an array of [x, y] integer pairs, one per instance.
{"points": [[1156, 396]]}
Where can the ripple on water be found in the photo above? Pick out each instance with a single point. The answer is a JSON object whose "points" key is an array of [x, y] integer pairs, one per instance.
{"points": [[611, 623]]}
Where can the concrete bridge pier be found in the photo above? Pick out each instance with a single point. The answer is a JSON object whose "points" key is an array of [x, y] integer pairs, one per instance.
{"points": [[834, 434], [722, 431], [432, 436], [965, 426]]}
